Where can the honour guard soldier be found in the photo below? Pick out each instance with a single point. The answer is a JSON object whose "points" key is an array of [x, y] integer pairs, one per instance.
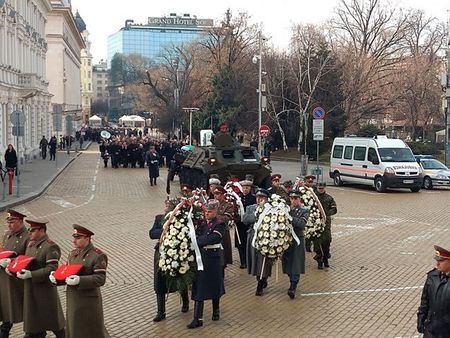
{"points": [[254, 258], [213, 183], [294, 257], [159, 281], [433, 316], [275, 188], [11, 288], [322, 245], [309, 183], [209, 284], [84, 299], [225, 215], [42, 308], [248, 198], [186, 190]]}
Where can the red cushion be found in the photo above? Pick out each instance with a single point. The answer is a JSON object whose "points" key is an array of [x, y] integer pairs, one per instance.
{"points": [[19, 263], [65, 271], [7, 253]]}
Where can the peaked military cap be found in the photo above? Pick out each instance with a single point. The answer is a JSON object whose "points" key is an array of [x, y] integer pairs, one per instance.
{"points": [[262, 192], [37, 224], [14, 214], [440, 253], [275, 177], [79, 230], [212, 204], [219, 190], [295, 193]]}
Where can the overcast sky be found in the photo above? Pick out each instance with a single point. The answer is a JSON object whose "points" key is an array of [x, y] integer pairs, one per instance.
{"points": [[105, 17]]}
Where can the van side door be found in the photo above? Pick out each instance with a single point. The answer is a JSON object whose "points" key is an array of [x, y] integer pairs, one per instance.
{"points": [[360, 163], [373, 164]]}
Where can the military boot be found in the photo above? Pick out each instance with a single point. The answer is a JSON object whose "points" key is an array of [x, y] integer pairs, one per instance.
{"points": [[320, 264], [161, 303], [185, 301], [291, 290], [325, 263], [198, 316], [4, 329], [259, 288], [216, 309]]}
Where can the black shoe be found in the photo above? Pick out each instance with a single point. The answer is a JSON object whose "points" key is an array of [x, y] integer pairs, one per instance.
{"points": [[325, 263], [264, 283], [320, 265], [216, 309], [195, 323], [185, 302], [259, 288], [243, 266], [161, 303], [216, 315], [291, 290], [159, 317]]}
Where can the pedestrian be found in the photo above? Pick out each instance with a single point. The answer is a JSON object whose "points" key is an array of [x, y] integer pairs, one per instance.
{"points": [[433, 316], [43, 144], [152, 159], [159, 281], [248, 198], [10, 158], [225, 215], [84, 308], [294, 257], [323, 243], [209, 283], [255, 260], [11, 288], [42, 308], [105, 158], [52, 145]]}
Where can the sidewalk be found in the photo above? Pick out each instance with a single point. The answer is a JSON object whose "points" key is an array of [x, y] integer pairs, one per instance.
{"points": [[35, 177]]}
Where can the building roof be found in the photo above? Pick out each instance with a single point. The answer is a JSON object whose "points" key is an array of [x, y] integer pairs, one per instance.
{"points": [[79, 22]]}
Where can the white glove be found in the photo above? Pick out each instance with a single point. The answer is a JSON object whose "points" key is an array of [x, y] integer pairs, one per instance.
{"points": [[4, 262], [24, 274], [52, 278], [73, 280], [9, 273]]}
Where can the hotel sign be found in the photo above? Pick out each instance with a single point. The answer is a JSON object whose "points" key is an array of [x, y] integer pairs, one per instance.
{"points": [[180, 21]]}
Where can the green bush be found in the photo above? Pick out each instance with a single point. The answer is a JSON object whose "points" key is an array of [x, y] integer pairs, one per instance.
{"points": [[420, 148]]}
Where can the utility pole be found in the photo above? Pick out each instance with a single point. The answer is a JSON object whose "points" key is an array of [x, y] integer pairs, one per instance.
{"points": [[447, 94]]}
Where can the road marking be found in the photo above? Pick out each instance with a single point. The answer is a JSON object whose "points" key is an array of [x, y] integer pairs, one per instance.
{"points": [[93, 187], [358, 191], [63, 203], [344, 292]]}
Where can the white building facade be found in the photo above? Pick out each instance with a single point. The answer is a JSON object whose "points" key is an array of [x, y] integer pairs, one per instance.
{"points": [[23, 82]]}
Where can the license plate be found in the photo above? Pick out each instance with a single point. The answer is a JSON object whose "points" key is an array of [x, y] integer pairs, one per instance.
{"points": [[408, 181]]}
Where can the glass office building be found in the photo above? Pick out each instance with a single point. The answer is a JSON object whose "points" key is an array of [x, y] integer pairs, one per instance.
{"points": [[151, 39]]}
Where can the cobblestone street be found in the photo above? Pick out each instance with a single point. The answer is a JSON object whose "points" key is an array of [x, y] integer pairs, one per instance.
{"points": [[381, 251]]}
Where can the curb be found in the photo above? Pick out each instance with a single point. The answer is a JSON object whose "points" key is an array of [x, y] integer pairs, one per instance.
{"points": [[33, 195]]}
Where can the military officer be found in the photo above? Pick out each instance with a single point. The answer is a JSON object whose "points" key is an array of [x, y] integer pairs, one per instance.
{"points": [[254, 258], [213, 183], [225, 215], [247, 198], [287, 187], [209, 283], [186, 190], [159, 281], [11, 288], [294, 257], [42, 308], [322, 245], [433, 316], [84, 300], [277, 189]]}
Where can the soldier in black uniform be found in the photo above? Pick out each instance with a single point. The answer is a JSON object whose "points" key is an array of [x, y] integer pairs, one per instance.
{"points": [[433, 316], [247, 198], [159, 281], [209, 284]]}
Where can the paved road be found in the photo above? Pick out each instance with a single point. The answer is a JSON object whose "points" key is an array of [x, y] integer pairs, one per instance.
{"points": [[382, 248]]}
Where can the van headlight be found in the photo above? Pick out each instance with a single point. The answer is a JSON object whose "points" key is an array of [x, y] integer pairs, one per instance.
{"points": [[389, 171], [212, 161]]}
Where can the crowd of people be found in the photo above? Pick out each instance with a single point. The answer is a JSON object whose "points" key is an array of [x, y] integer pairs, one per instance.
{"points": [[214, 240]]}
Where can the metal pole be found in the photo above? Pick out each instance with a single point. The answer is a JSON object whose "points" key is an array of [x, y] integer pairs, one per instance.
{"points": [[18, 160], [190, 127], [317, 169], [259, 93]]}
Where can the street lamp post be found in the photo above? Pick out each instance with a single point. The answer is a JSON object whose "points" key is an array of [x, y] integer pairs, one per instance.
{"points": [[190, 111], [258, 59]]}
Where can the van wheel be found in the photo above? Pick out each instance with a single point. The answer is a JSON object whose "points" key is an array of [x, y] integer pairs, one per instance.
{"points": [[379, 186], [415, 189], [427, 183], [337, 180]]}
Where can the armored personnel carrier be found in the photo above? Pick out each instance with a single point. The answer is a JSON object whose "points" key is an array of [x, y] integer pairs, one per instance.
{"points": [[226, 158]]}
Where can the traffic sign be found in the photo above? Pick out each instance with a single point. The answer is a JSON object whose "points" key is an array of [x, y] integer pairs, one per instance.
{"points": [[18, 130], [318, 130], [264, 130], [318, 113], [18, 118]]}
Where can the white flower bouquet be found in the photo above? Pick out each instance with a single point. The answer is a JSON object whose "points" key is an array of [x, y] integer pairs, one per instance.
{"points": [[317, 219], [273, 229], [178, 258]]}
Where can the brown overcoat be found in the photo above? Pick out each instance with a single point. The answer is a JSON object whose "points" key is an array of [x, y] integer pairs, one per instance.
{"points": [[84, 301], [11, 288], [42, 309], [225, 215]]}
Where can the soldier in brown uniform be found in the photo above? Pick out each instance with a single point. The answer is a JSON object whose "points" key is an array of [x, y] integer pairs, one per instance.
{"points": [[42, 308], [84, 300], [225, 215], [11, 288]]}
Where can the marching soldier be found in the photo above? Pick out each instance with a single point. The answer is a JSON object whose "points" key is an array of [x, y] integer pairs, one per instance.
{"points": [[159, 281], [248, 198], [225, 215], [11, 288], [433, 314], [255, 260], [309, 183], [84, 299], [287, 188], [277, 188], [42, 308], [322, 245], [294, 257], [209, 283]]}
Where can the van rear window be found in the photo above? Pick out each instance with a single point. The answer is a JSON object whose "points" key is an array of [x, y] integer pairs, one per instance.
{"points": [[337, 151], [348, 152], [360, 154]]}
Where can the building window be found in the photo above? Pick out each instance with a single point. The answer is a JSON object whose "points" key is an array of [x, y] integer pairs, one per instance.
{"points": [[99, 89], [89, 86], [89, 74], [89, 62], [99, 82]]}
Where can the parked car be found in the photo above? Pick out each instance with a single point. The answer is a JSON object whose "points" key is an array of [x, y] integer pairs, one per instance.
{"points": [[435, 173]]}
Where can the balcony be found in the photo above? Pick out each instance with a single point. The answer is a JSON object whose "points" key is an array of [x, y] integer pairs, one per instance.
{"points": [[31, 81]]}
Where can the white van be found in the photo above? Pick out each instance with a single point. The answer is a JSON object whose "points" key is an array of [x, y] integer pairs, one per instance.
{"points": [[379, 161]]}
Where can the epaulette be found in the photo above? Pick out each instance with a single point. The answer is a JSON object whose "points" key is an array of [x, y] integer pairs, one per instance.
{"points": [[49, 241], [433, 270], [98, 251]]}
